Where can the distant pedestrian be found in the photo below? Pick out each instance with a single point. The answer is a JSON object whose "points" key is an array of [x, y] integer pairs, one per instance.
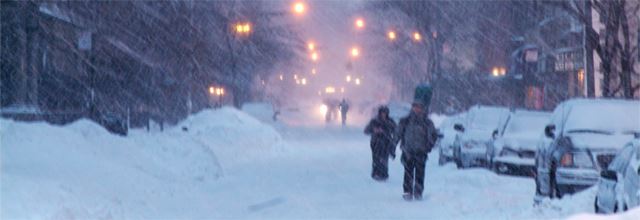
{"points": [[382, 131], [344, 108], [416, 135]]}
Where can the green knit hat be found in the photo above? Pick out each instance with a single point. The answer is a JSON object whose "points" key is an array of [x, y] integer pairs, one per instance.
{"points": [[423, 95]]}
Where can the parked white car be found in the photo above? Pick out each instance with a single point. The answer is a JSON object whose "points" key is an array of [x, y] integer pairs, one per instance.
{"points": [[582, 139], [619, 184], [513, 149], [470, 147], [445, 144]]}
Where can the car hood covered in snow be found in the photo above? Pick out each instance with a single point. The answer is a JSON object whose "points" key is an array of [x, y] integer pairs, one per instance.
{"points": [[600, 141]]}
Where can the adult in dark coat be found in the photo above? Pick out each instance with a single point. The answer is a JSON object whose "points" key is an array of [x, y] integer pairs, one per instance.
{"points": [[417, 135], [382, 131]]}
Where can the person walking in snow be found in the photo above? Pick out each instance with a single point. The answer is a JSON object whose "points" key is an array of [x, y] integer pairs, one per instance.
{"points": [[382, 131], [344, 108], [417, 135]]}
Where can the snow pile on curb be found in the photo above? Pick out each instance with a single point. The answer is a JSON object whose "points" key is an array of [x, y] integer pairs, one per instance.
{"points": [[81, 171], [233, 135], [632, 214]]}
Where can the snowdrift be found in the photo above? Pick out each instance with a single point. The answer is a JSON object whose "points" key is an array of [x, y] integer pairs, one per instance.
{"points": [[81, 171]]}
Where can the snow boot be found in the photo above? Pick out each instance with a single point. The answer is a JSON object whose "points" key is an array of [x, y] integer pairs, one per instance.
{"points": [[407, 197]]}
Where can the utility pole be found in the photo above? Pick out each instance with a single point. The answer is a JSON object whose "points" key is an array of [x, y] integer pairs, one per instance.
{"points": [[587, 43]]}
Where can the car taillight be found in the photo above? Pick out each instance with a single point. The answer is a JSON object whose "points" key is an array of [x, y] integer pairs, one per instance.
{"points": [[566, 160]]}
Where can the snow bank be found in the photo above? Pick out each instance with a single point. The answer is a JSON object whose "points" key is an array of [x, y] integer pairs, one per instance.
{"points": [[632, 214], [81, 171], [235, 136]]}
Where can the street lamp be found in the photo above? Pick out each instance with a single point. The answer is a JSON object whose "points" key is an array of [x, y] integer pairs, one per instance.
{"points": [[314, 56], [243, 28], [391, 35], [299, 8], [417, 36], [359, 23], [313, 71], [348, 78], [304, 81], [355, 52], [311, 46], [357, 81]]}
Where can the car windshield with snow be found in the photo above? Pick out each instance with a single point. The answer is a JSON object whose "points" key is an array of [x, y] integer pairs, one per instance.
{"points": [[513, 148]]}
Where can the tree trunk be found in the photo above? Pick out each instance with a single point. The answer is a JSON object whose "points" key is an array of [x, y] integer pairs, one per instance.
{"points": [[626, 56]]}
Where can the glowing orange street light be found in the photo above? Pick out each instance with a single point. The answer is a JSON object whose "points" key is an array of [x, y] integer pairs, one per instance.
{"points": [[211, 90], [313, 71], [299, 8], [281, 77], [314, 56], [348, 78], [357, 81], [359, 23], [355, 52], [417, 36], [391, 35], [311, 46], [304, 81], [243, 28]]}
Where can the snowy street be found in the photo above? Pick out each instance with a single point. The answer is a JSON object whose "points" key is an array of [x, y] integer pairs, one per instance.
{"points": [[326, 175]]}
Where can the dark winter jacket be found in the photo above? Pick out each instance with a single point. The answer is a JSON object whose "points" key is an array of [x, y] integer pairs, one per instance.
{"points": [[384, 138], [416, 134]]}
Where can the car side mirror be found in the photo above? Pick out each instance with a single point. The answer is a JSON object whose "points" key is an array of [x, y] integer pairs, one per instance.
{"points": [[458, 127], [549, 131], [609, 175], [494, 135]]}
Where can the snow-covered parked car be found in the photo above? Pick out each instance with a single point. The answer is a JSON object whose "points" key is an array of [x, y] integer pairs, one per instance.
{"points": [[470, 147], [619, 185], [445, 144], [582, 138], [514, 147]]}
